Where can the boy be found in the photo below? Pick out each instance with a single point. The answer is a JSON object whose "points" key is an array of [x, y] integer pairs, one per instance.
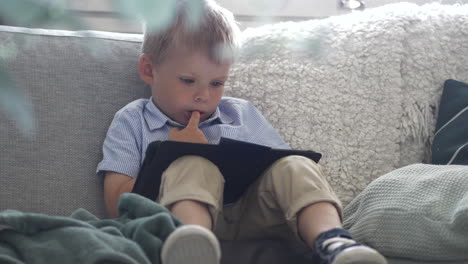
{"points": [[186, 66]]}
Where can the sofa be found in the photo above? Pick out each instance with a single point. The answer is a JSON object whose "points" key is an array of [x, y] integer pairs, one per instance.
{"points": [[363, 89]]}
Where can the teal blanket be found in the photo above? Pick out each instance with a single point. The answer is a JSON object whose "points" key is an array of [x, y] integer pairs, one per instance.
{"points": [[136, 236]]}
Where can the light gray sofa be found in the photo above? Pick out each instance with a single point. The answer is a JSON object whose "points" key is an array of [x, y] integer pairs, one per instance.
{"points": [[362, 89]]}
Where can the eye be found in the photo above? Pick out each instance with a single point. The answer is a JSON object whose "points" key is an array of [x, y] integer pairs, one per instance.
{"points": [[187, 80], [217, 84]]}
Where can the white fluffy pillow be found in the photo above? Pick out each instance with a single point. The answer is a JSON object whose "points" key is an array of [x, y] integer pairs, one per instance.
{"points": [[339, 86]]}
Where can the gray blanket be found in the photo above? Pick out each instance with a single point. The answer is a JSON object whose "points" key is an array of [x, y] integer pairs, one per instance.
{"points": [[136, 236], [416, 214]]}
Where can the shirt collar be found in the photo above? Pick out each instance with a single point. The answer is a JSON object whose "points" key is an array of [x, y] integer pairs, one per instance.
{"points": [[157, 119]]}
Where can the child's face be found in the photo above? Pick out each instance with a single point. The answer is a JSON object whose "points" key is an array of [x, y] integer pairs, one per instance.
{"points": [[188, 81]]}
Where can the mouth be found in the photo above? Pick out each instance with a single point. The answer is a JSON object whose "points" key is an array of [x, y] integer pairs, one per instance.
{"points": [[190, 112]]}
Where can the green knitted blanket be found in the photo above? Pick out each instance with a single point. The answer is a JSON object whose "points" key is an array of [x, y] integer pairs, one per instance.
{"points": [[136, 236], [416, 214]]}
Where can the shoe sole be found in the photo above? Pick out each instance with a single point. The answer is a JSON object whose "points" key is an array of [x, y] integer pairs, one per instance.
{"points": [[191, 244], [359, 255]]}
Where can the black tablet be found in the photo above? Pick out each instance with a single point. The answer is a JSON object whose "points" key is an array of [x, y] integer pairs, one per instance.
{"points": [[241, 163]]}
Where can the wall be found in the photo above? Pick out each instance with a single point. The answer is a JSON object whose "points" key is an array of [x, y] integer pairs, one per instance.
{"points": [[100, 15]]}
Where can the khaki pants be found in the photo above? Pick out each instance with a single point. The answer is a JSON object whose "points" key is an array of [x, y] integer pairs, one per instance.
{"points": [[269, 207]]}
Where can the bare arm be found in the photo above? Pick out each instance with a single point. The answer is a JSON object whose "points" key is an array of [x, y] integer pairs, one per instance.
{"points": [[115, 184]]}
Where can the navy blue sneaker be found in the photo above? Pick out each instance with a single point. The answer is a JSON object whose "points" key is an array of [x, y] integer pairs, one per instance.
{"points": [[336, 246]]}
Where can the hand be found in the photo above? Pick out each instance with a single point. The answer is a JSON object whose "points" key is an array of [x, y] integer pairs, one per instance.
{"points": [[191, 133]]}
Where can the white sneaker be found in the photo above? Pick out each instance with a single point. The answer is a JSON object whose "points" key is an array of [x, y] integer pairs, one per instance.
{"points": [[346, 251], [191, 244]]}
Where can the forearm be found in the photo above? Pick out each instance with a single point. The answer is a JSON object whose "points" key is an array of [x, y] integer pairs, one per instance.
{"points": [[115, 185]]}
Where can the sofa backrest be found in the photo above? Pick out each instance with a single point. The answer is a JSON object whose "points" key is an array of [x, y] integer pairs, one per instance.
{"points": [[362, 89], [74, 82]]}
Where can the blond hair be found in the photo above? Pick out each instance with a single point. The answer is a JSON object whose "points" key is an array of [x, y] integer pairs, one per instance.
{"points": [[200, 25]]}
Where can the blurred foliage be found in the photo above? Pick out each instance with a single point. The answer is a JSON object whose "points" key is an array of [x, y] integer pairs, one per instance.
{"points": [[15, 104], [54, 13], [37, 13], [156, 14], [26, 13]]}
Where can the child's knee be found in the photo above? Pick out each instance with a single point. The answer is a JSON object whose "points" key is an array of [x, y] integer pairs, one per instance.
{"points": [[192, 178], [192, 161], [294, 178], [295, 165], [194, 169]]}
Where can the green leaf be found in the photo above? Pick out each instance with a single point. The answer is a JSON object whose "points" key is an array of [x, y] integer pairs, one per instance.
{"points": [[157, 14], [15, 104], [34, 13]]}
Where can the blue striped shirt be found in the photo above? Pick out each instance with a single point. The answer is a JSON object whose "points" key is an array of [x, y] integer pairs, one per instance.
{"points": [[140, 122]]}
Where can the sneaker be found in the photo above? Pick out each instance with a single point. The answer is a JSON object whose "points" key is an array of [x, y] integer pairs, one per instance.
{"points": [[337, 247], [191, 244], [346, 251]]}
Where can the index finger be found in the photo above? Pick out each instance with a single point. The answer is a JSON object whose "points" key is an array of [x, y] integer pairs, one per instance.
{"points": [[194, 119]]}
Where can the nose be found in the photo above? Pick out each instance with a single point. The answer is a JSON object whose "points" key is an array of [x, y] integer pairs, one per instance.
{"points": [[202, 94]]}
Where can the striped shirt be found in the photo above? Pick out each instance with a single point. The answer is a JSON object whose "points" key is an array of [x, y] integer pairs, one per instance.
{"points": [[140, 122]]}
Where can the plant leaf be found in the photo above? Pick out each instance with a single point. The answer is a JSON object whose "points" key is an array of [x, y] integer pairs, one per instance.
{"points": [[15, 104]]}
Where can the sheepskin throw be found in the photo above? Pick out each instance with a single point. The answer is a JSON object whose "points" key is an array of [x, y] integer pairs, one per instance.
{"points": [[362, 88]]}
